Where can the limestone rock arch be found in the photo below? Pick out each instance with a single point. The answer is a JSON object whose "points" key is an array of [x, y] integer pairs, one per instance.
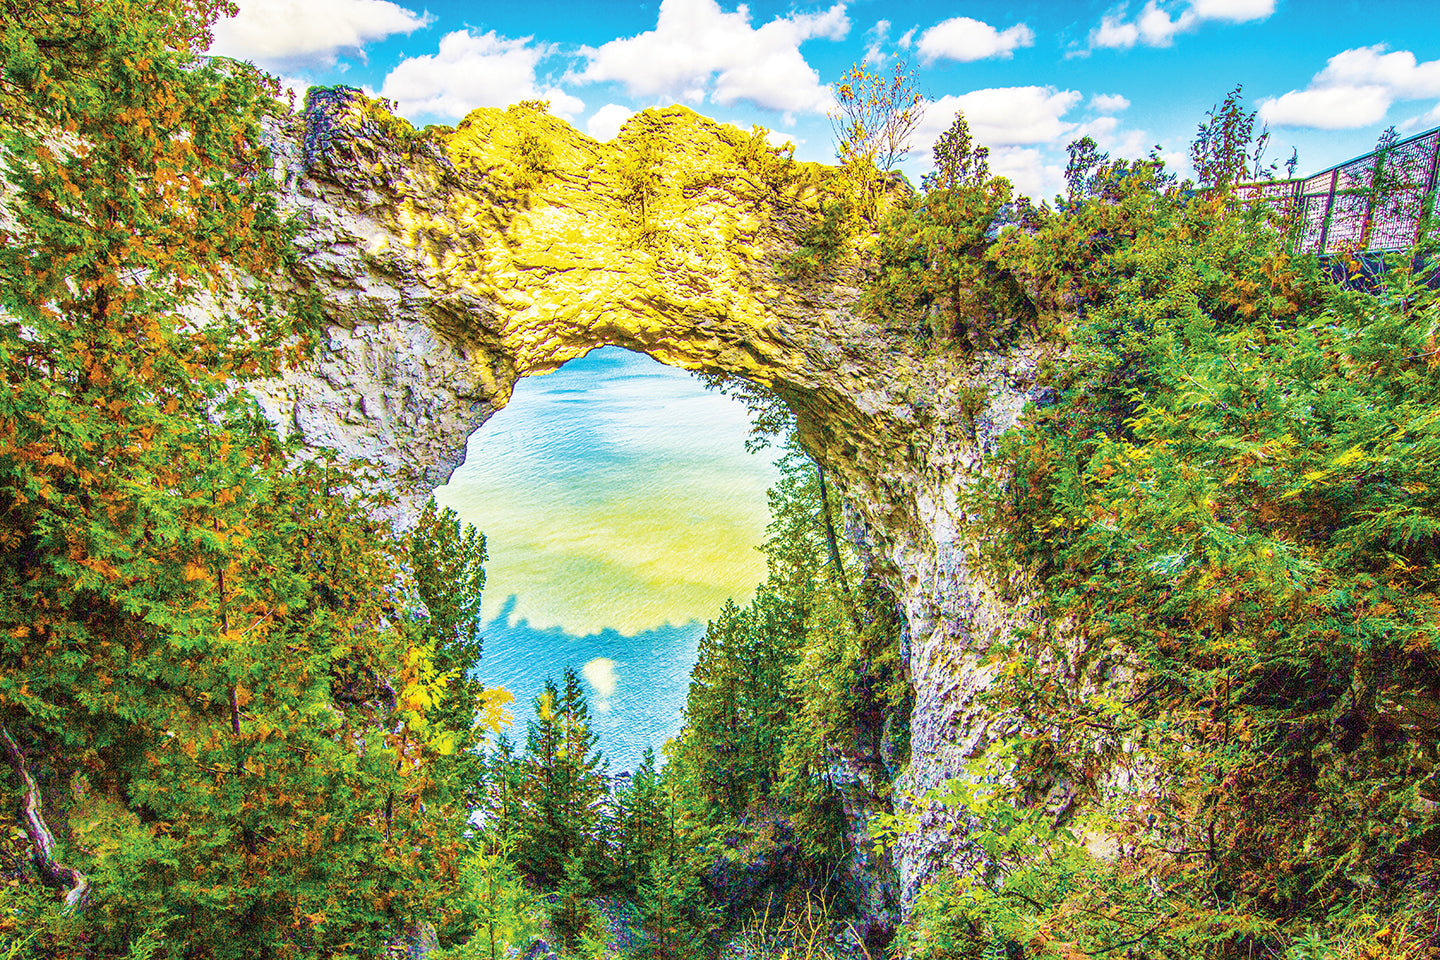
{"points": [[452, 262]]}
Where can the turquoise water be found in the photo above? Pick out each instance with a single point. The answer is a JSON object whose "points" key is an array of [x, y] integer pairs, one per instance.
{"points": [[620, 510]]}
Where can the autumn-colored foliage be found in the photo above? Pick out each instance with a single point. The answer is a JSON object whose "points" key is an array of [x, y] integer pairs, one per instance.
{"points": [[198, 630], [1228, 518], [935, 258]]}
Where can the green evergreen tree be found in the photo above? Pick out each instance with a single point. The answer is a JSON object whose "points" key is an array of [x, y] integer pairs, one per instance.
{"points": [[541, 844], [675, 916], [505, 778], [447, 567], [571, 912], [195, 629], [643, 826], [563, 786], [959, 160], [584, 783]]}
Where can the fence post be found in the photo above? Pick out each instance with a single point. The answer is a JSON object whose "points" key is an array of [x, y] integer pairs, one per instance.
{"points": [[1377, 181], [1427, 199], [1329, 209]]}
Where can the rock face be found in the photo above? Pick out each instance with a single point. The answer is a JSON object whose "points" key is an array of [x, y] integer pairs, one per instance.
{"points": [[453, 262]]}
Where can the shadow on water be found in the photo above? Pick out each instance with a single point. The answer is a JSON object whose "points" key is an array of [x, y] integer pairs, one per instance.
{"points": [[635, 684]]}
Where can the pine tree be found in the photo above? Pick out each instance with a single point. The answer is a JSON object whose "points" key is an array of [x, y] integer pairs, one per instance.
{"points": [[571, 912], [192, 628], [712, 722], [674, 915], [505, 777], [448, 568], [643, 824], [582, 775], [563, 786], [959, 160], [541, 843]]}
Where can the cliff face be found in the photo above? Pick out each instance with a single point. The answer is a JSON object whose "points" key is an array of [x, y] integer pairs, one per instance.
{"points": [[452, 263]]}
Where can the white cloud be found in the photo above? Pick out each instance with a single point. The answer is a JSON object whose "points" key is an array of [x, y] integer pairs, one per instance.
{"points": [[1109, 103], [778, 140], [907, 39], [1398, 72], [1430, 119], [1029, 170], [309, 31], [1355, 89], [1111, 137], [1100, 128], [606, 122], [469, 71], [1327, 108], [697, 49], [296, 86], [877, 36], [1004, 116], [600, 674], [1235, 11], [1157, 26], [1153, 28], [1114, 34], [966, 40], [1022, 126]]}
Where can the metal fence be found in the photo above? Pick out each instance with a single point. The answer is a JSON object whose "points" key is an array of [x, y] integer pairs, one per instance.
{"points": [[1372, 203]]}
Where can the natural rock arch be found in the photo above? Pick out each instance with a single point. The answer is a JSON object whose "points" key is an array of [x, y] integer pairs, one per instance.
{"points": [[452, 262]]}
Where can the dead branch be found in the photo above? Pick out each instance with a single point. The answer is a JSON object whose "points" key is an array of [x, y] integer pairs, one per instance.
{"points": [[52, 874]]}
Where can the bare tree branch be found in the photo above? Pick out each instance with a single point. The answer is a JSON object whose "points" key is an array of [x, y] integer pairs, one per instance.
{"points": [[53, 874]]}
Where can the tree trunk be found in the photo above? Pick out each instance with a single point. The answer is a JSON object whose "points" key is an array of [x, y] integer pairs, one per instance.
{"points": [[833, 547], [52, 873]]}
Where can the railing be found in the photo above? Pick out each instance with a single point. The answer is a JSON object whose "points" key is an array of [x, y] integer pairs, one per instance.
{"points": [[1370, 204]]}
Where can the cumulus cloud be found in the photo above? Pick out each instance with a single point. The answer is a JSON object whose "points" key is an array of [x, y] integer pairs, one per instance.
{"points": [[1397, 72], [1430, 119], [966, 40], [469, 71], [1355, 89], [294, 32], [295, 86], [1026, 129], [1153, 28], [779, 140], [600, 674], [876, 36], [606, 122], [698, 50], [1111, 137], [1235, 11], [1327, 108], [1157, 26], [1031, 171], [1004, 116], [1109, 103]]}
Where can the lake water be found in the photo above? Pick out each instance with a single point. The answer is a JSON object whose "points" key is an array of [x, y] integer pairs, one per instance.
{"points": [[620, 510]]}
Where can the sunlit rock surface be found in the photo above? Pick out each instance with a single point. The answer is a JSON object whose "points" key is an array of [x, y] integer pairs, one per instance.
{"points": [[453, 262]]}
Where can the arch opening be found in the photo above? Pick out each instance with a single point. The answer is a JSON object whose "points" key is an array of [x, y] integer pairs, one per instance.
{"points": [[452, 263], [621, 511]]}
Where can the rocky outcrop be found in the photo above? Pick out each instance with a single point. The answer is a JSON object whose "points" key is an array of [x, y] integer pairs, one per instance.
{"points": [[453, 262]]}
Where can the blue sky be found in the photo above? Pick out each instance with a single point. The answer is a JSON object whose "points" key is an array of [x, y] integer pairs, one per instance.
{"points": [[1327, 75]]}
